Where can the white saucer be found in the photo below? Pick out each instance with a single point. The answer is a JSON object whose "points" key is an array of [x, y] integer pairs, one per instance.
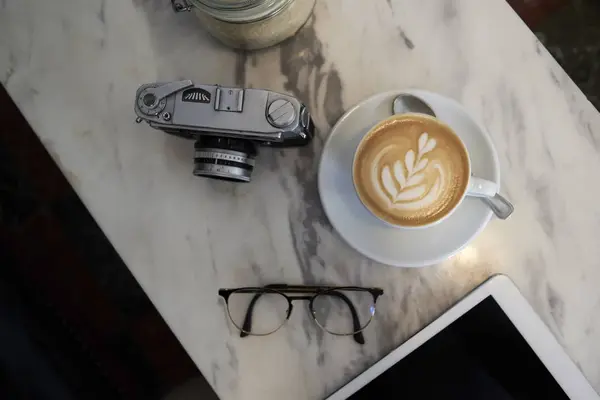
{"points": [[370, 236]]}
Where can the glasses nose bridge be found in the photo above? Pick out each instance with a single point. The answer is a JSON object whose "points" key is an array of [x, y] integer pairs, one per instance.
{"points": [[305, 298]]}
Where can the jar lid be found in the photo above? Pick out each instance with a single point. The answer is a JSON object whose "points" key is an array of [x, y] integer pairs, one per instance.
{"points": [[241, 11]]}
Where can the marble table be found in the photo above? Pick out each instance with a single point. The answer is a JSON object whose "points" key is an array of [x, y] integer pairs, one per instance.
{"points": [[73, 68]]}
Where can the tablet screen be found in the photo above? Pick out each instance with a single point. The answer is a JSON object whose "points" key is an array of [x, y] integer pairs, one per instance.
{"points": [[481, 355]]}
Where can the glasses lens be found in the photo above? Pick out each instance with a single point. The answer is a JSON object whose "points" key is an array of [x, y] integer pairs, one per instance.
{"points": [[343, 311], [257, 311]]}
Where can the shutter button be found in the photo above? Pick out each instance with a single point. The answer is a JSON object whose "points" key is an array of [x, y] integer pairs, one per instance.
{"points": [[281, 113]]}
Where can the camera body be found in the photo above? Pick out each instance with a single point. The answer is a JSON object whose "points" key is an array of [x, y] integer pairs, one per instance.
{"points": [[227, 123]]}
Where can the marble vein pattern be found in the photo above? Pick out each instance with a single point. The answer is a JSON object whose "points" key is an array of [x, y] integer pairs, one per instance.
{"points": [[73, 68]]}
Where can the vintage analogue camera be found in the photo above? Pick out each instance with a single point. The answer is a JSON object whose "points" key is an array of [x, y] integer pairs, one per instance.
{"points": [[227, 123]]}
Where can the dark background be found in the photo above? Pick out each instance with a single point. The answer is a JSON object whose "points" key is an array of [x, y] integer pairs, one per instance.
{"points": [[73, 321]]}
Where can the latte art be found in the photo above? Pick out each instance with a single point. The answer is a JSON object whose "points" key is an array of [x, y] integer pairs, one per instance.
{"points": [[403, 184], [411, 170]]}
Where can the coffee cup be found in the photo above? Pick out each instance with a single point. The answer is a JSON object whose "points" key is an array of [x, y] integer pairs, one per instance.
{"points": [[412, 171]]}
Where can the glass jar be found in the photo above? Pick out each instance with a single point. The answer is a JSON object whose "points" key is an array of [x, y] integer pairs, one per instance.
{"points": [[249, 24]]}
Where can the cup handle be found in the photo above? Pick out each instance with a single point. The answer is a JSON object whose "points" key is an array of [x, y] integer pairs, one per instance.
{"points": [[481, 188], [487, 191]]}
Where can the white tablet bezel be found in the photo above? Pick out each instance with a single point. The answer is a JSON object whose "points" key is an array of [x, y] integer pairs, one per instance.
{"points": [[518, 310]]}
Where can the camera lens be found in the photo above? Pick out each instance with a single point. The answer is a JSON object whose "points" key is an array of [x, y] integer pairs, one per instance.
{"points": [[224, 158]]}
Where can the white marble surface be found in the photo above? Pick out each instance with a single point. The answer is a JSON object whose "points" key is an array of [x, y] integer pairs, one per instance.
{"points": [[73, 67]]}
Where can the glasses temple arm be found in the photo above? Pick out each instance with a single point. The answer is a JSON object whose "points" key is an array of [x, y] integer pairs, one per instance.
{"points": [[247, 326], [358, 336]]}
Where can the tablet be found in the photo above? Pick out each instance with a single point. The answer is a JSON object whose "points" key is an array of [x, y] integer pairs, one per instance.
{"points": [[491, 345]]}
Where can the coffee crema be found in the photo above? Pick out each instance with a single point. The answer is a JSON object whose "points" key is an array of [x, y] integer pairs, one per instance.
{"points": [[411, 170]]}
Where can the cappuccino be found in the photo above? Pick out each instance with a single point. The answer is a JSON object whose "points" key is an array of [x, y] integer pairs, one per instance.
{"points": [[411, 170]]}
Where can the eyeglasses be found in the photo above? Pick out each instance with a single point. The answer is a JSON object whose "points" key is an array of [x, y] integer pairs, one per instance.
{"points": [[341, 311]]}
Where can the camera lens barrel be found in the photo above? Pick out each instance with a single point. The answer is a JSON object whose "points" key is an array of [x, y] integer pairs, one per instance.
{"points": [[224, 158]]}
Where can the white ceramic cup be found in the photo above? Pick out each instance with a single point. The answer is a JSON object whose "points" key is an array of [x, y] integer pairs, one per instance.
{"points": [[476, 187]]}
